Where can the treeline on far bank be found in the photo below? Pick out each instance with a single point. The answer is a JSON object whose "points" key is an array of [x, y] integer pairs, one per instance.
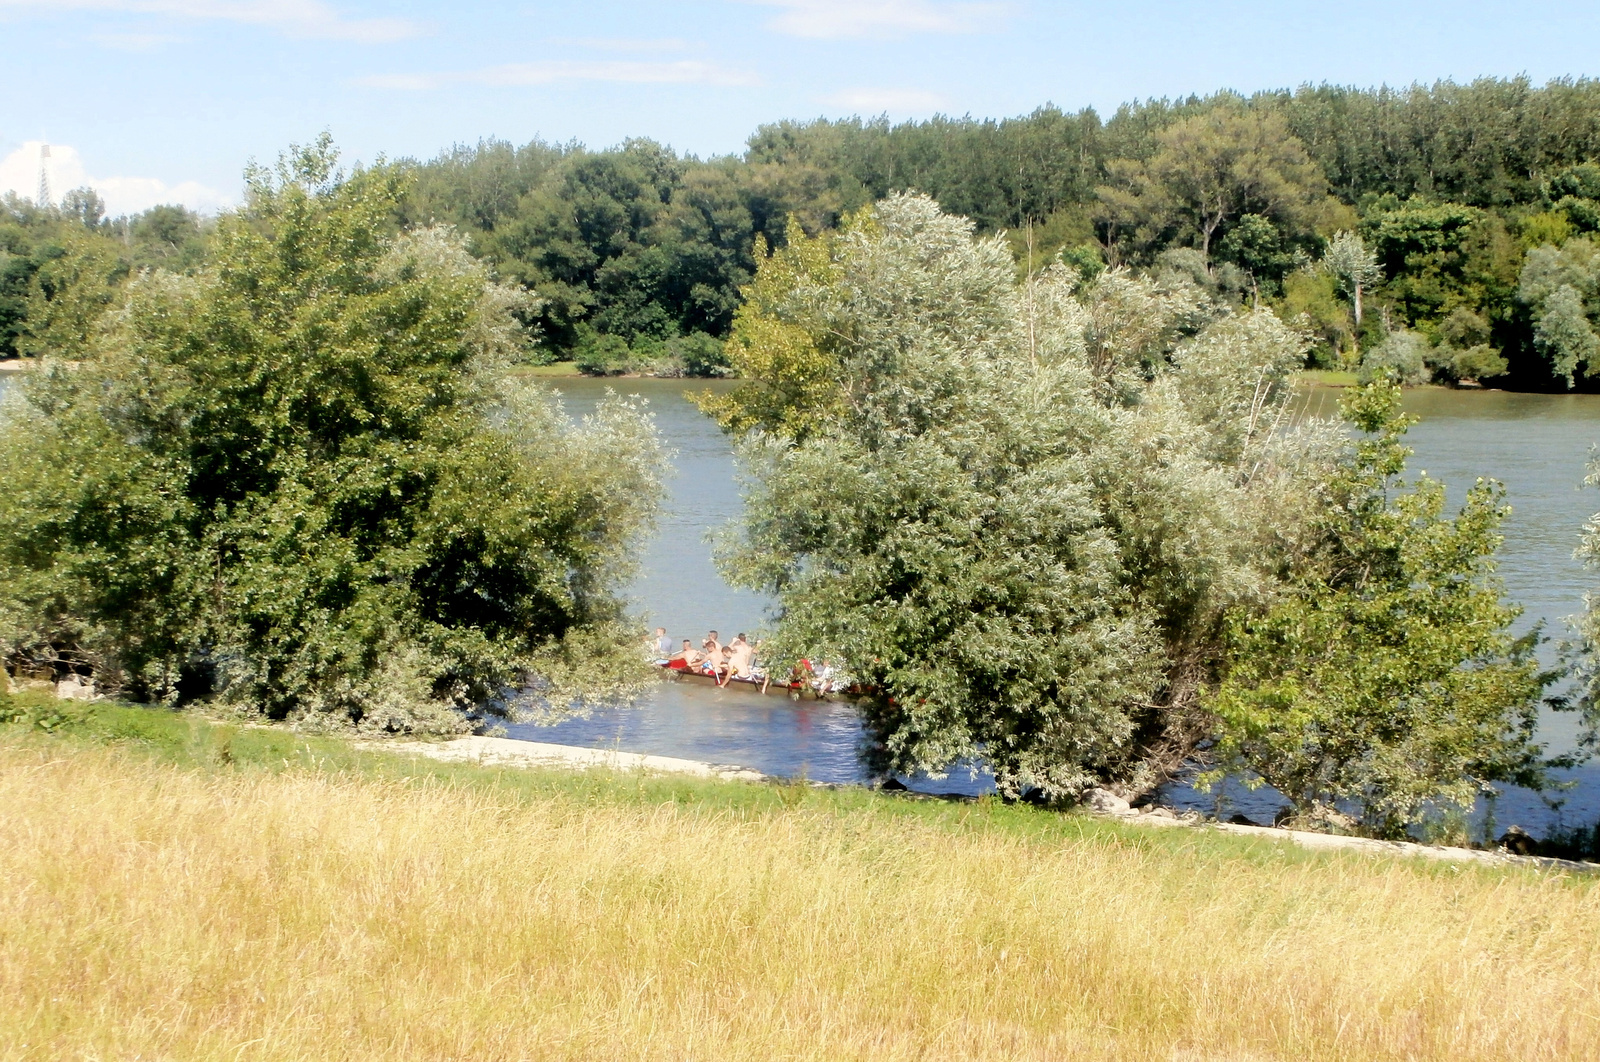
{"points": [[1461, 221]]}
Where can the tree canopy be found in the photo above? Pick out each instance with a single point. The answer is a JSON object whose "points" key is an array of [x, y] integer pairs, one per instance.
{"points": [[1060, 527], [1028, 508], [637, 254], [268, 484]]}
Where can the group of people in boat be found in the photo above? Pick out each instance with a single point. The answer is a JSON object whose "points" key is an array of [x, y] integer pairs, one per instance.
{"points": [[736, 662]]}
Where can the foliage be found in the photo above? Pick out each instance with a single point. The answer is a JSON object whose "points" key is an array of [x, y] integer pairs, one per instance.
{"points": [[60, 270], [1386, 678], [1400, 358], [1451, 183], [1014, 509], [1463, 352], [600, 355], [1311, 301], [1002, 174], [780, 347], [1561, 286], [1353, 266], [73, 285], [696, 354], [1210, 171], [268, 484], [1588, 624], [632, 243]]}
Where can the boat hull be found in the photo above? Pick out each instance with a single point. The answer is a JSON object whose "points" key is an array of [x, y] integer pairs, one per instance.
{"points": [[773, 689]]}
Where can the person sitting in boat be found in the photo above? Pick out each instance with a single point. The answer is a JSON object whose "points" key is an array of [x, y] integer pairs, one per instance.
{"points": [[686, 659], [663, 646], [711, 647], [823, 677], [722, 665], [743, 658]]}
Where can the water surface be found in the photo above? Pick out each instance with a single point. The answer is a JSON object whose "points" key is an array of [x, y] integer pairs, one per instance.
{"points": [[1538, 445]]}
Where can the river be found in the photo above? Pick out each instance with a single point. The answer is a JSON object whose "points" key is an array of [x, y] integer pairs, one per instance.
{"points": [[1537, 445]]}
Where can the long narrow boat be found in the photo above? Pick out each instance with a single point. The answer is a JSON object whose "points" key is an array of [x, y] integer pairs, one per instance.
{"points": [[795, 692]]}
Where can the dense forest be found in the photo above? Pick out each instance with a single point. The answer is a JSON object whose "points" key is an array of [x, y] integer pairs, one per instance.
{"points": [[1442, 232]]}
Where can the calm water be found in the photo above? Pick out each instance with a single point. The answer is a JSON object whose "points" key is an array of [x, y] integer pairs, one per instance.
{"points": [[679, 589], [1536, 444]]}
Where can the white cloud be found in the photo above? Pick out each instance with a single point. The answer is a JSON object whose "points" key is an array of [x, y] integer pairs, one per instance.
{"points": [[881, 18], [631, 45], [880, 100], [134, 42], [678, 72], [19, 173], [301, 18]]}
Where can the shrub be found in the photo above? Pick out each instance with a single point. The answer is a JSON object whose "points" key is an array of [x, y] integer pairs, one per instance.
{"points": [[301, 482]]}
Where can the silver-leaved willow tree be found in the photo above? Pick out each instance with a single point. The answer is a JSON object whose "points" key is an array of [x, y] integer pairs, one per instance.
{"points": [[1024, 513]]}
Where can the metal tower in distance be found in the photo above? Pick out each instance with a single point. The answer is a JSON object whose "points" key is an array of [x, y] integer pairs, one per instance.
{"points": [[43, 200]]}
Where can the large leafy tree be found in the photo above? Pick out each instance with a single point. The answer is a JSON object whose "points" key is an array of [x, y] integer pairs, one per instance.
{"points": [[1561, 286], [1210, 170], [300, 482], [1385, 680], [1013, 509]]}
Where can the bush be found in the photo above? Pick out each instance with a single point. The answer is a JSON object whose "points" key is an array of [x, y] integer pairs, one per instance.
{"points": [[272, 484], [598, 354], [701, 355], [1386, 677], [1400, 358], [1474, 363]]}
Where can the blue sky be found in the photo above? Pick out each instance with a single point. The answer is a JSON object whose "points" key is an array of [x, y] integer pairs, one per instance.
{"points": [[162, 99]]}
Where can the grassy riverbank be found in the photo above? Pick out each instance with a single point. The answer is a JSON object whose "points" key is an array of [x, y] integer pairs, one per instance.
{"points": [[187, 890], [554, 368]]}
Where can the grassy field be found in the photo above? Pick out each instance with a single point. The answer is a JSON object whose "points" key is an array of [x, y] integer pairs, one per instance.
{"points": [[177, 889]]}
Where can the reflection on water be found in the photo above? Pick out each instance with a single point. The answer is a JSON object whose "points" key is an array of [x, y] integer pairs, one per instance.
{"points": [[817, 740]]}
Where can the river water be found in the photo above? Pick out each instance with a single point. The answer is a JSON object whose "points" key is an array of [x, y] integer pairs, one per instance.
{"points": [[1538, 445]]}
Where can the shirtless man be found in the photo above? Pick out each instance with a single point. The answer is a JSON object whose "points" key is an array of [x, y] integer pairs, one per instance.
{"points": [[722, 666], [744, 655], [711, 648], [688, 657]]}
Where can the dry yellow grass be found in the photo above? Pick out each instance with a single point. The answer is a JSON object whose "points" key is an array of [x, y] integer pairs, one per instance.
{"points": [[153, 912]]}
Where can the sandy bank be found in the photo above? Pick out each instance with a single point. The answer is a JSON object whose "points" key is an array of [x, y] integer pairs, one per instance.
{"points": [[506, 752]]}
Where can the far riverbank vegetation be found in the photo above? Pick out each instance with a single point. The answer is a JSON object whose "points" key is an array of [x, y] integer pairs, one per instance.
{"points": [[1443, 232]]}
